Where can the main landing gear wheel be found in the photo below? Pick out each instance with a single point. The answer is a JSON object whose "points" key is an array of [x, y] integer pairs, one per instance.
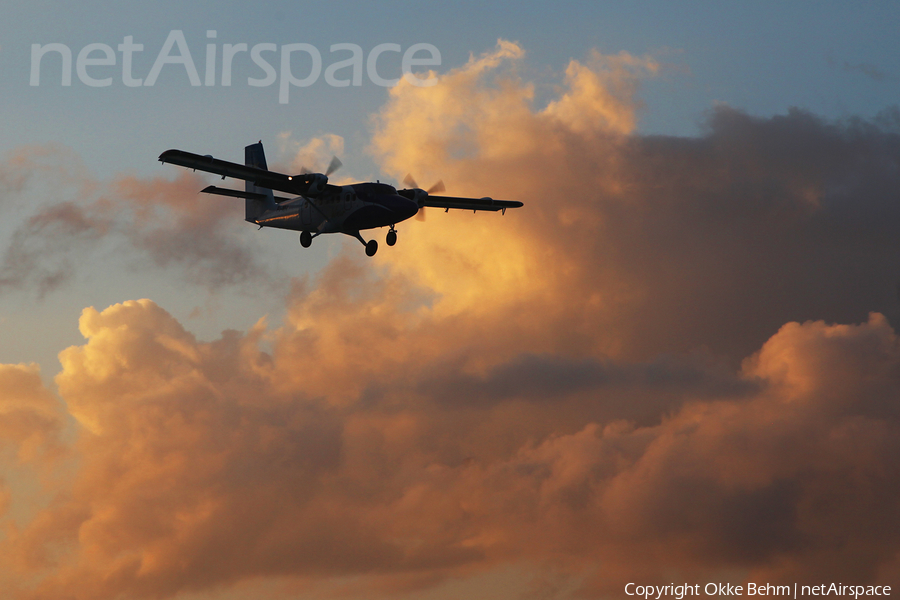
{"points": [[305, 239], [371, 248], [391, 237]]}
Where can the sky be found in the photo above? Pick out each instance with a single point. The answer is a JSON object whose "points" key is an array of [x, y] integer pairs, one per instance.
{"points": [[677, 363]]}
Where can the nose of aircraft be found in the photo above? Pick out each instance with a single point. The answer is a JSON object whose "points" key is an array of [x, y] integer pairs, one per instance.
{"points": [[404, 208]]}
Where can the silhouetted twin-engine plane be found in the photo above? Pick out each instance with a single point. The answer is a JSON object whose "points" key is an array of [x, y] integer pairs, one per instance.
{"points": [[315, 206]]}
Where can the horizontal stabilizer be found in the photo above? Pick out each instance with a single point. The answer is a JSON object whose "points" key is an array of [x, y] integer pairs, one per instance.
{"points": [[238, 193]]}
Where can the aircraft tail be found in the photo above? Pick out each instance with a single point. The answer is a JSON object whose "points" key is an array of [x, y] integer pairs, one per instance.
{"points": [[254, 156]]}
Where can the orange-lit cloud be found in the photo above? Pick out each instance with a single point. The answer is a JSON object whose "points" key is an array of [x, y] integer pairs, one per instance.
{"points": [[30, 416], [642, 244], [636, 376], [314, 155], [203, 464]]}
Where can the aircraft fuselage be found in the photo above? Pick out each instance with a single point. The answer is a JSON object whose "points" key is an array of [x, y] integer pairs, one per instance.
{"points": [[350, 208]]}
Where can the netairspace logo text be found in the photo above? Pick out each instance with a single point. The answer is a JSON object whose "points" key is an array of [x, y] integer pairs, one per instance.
{"points": [[176, 54]]}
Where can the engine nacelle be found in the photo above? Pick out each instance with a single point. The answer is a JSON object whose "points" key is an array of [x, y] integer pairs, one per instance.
{"points": [[417, 195], [317, 183]]}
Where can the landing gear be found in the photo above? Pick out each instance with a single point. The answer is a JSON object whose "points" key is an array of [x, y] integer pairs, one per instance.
{"points": [[371, 245], [391, 237], [305, 239]]}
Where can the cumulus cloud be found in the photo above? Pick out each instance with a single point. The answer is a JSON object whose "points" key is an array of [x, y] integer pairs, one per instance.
{"points": [[31, 419], [638, 375], [637, 245], [32, 448], [202, 463], [314, 155]]}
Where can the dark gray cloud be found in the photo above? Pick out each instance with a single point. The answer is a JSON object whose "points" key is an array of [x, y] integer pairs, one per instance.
{"points": [[866, 69], [638, 392], [154, 223], [722, 238]]}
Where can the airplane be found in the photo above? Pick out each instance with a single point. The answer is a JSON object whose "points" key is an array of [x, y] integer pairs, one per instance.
{"points": [[316, 206]]}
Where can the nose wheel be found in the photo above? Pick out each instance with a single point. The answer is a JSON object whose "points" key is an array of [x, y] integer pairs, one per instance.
{"points": [[391, 237], [305, 239]]}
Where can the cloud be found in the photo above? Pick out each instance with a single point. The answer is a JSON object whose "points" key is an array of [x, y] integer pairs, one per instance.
{"points": [[32, 452], [867, 69], [175, 225], [314, 155], [676, 358], [40, 252], [30, 417], [633, 245], [179, 439], [156, 220], [601, 95], [203, 463]]}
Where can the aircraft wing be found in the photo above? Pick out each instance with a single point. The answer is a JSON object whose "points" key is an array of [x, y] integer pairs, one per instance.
{"points": [[449, 202], [291, 184]]}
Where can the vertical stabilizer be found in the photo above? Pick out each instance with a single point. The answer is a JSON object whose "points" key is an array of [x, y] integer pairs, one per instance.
{"points": [[254, 156]]}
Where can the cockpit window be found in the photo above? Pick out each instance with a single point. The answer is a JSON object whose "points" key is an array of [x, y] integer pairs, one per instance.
{"points": [[366, 189], [383, 188]]}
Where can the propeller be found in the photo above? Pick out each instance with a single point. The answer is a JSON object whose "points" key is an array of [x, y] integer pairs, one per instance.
{"points": [[437, 187], [318, 180], [333, 166], [421, 194]]}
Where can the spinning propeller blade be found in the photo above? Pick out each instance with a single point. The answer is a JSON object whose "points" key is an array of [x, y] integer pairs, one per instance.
{"points": [[421, 194], [436, 188], [418, 194], [333, 166]]}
